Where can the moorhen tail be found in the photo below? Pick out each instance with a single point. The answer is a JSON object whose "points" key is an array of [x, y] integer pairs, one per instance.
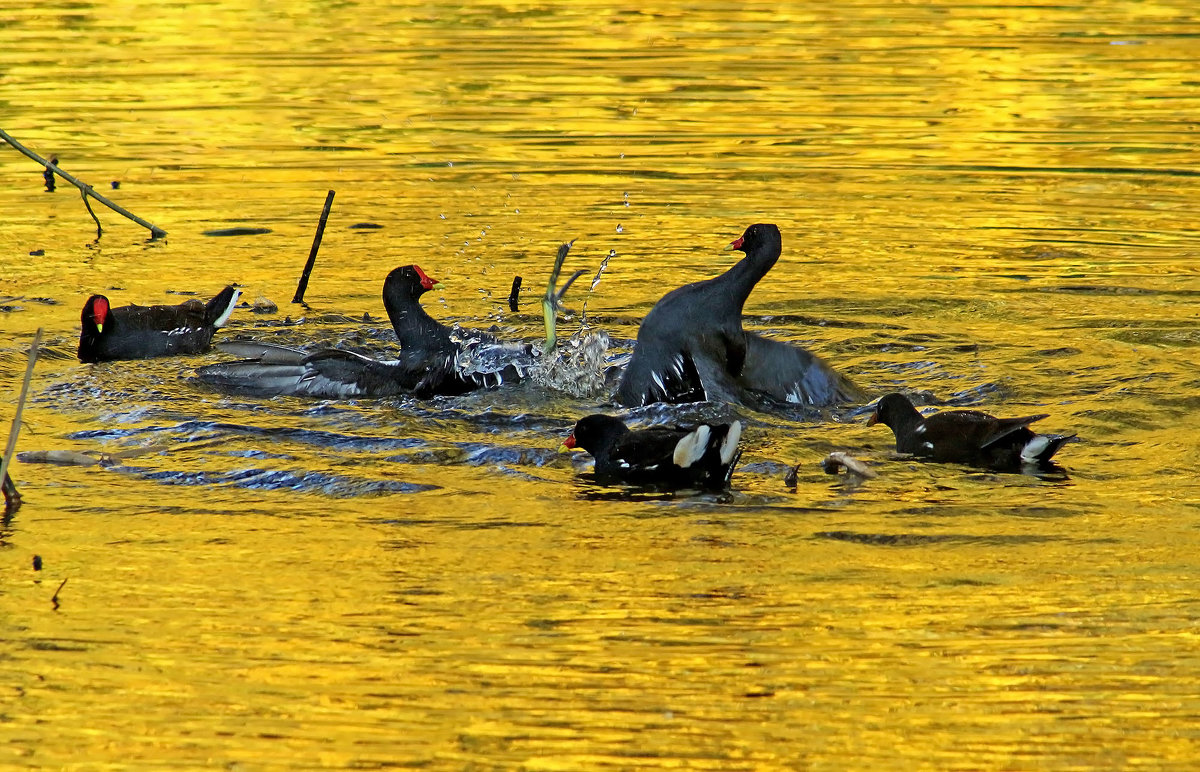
{"points": [[271, 370], [691, 347], [702, 456], [966, 436], [140, 332]]}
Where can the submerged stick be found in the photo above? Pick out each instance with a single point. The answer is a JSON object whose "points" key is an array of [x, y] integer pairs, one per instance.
{"points": [[312, 253], [16, 424], [155, 231]]}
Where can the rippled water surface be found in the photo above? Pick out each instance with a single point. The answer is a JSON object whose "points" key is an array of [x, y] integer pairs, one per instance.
{"points": [[993, 203]]}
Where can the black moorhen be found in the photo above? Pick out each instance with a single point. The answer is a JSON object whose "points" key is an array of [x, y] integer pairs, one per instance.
{"points": [[140, 332], [699, 457], [433, 359], [691, 346], [966, 436]]}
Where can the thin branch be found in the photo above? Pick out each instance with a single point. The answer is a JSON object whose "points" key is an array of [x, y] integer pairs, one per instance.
{"points": [[302, 287], [16, 424], [54, 600], [155, 231], [99, 230]]}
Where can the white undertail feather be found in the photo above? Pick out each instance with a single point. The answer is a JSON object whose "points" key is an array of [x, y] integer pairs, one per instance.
{"points": [[224, 317], [730, 443], [1035, 448], [691, 448]]}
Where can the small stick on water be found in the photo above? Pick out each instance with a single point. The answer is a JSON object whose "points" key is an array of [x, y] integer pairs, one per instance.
{"points": [[155, 231], [16, 424], [515, 295], [54, 599], [312, 254]]}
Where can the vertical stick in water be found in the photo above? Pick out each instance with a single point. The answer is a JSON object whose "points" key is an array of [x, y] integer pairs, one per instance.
{"points": [[312, 254], [16, 424]]}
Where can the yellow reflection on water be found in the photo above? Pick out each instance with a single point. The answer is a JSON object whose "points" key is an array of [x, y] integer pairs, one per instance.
{"points": [[989, 202]]}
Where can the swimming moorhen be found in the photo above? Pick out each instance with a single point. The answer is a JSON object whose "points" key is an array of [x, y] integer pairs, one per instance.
{"points": [[691, 346], [433, 359], [698, 457], [966, 436], [140, 332]]}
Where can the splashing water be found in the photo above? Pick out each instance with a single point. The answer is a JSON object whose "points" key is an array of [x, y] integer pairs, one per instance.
{"points": [[577, 366]]}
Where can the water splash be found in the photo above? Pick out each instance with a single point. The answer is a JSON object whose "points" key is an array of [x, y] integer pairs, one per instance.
{"points": [[577, 366]]}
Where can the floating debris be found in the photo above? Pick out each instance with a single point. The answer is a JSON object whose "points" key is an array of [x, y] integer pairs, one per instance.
{"points": [[241, 231], [836, 461], [263, 305]]}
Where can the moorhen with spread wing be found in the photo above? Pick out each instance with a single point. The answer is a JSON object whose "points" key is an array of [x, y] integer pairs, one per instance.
{"points": [[966, 436], [141, 332], [691, 347]]}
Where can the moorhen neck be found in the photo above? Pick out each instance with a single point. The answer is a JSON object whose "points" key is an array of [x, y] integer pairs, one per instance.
{"points": [[702, 456], [141, 332], [967, 436], [691, 347], [414, 327]]}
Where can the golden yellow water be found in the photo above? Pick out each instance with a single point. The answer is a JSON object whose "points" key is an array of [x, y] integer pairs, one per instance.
{"points": [[991, 201]]}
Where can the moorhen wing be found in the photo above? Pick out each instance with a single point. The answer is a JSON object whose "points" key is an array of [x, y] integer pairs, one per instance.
{"points": [[702, 456], [966, 436], [141, 332]]}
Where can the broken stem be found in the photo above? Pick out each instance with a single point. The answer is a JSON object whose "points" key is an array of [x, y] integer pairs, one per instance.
{"points": [[302, 287], [16, 424], [155, 231]]}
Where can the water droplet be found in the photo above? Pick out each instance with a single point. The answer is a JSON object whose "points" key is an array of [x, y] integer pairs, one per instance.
{"points": [[442, 216], [620, 229], [449, 163]]}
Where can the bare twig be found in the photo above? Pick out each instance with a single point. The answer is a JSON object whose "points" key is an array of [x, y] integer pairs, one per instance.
{"points": [[16, 423], [54, 599], [99, 230], [312, 253], [155, 231]]}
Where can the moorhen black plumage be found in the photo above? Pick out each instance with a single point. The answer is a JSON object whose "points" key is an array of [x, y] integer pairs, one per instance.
{"points": [[702, 456], [141, 332], [966, 436], [433, 359], [691, 347]]}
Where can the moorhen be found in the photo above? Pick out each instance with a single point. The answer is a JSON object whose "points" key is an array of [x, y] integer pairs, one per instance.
{"points": [[697, 457], [966, 436], [691, 346], [140, 332], [433, 359]]}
